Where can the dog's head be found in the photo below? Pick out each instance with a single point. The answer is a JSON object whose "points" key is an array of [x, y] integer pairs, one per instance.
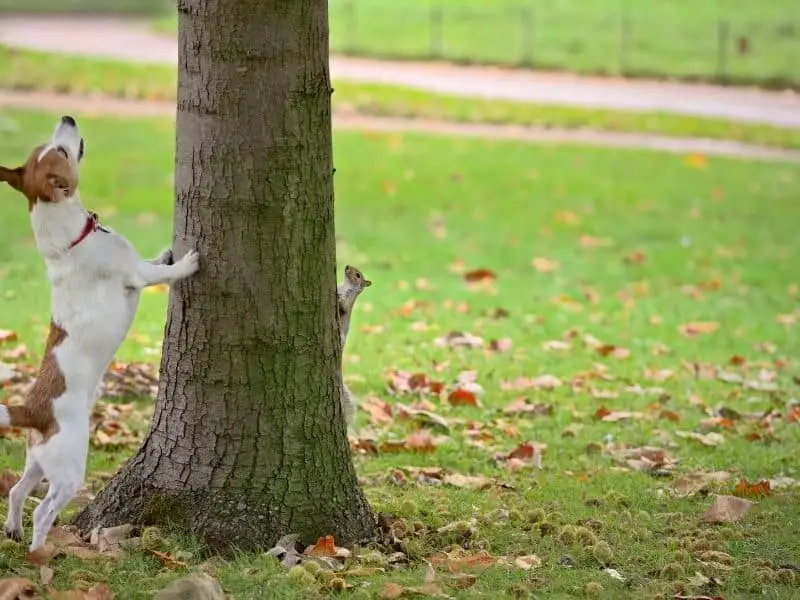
{"points": [[51, 173]]}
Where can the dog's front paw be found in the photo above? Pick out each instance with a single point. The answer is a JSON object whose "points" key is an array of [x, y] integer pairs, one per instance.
{"points": [[190, 263]]}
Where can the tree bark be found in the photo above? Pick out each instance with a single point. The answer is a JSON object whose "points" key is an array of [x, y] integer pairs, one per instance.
{"points": [[248, 441]]}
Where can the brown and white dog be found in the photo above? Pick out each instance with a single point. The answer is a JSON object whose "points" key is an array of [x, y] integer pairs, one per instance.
{"points": [[96, 277]]}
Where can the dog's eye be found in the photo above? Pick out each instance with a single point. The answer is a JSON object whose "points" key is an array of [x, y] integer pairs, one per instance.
{"points": [[63, 152]]}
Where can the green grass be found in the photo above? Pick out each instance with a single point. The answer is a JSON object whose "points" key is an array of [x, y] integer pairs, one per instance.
{"points": [[27, 70], [718, 241], [674, 39], [94, 7]]}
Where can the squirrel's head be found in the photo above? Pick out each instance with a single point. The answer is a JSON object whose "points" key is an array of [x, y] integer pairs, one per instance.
{"points": [[355, 279]]}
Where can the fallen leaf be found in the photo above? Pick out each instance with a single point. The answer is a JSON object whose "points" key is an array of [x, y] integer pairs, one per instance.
{"points": [[100, 591], [542, 382], [7, 481], [459, 339], [727, 509], [378, 410], [474, 482], [612, 416], [528, 562], [45, 575], [477, 275], [524, 406], [707, 439], [692, 483], [6, 336], [421, 441], [462, 397], [696, 160], [325, 546], [167, 560], [502, 345], [696, 328], [16, 353], [753, 490], [635, 257], [17, 588], [109, 539], [544, 265], [392, 590], [459, 560]]}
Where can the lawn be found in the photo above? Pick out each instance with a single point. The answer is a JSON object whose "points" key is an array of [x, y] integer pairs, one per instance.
{"points": [[657, 295], [691, 40], [26, 70]]}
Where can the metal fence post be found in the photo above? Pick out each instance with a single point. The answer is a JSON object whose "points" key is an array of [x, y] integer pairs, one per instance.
{"points": [[624, 40], [723, 41], [436, 30], [526, 37]]}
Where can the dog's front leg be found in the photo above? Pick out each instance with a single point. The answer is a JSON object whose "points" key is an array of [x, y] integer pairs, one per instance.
{"points": [[150, 273]]}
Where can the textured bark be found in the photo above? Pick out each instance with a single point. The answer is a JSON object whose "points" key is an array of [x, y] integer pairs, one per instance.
{"points": [[248, 441]]}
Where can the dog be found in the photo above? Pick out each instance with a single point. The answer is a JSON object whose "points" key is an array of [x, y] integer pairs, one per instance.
{"points": [[96, 278]]}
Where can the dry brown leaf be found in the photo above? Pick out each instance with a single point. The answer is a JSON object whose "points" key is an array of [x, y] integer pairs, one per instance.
{"points": [[378, 410], [458, 560], [522, 406], [17, 588], [7, 481], [753, 490], [696, 328], [45, 575], [325, 546], [693, 483], [528, 562], [392, 590], [501, 345], [462, 397], [421, 441], [544, 265], [542, 382], [6, 335], [167, 560], [98, 592], [612, 416], [707, 439], [474, 482], [727, 509], [477, 275]]}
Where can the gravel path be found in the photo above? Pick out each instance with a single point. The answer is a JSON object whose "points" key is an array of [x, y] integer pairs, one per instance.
{"points": [[103, 106], [137, 41]]}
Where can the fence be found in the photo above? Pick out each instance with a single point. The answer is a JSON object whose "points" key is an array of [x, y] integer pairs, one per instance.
{"points": [[721, 50]]}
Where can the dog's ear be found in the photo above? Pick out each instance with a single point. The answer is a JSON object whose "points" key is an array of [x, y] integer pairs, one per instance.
{"points": [[53, 185], [13, 177]]}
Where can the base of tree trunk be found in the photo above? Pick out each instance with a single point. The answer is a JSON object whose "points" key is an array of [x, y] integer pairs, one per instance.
{"points": [[224, 521]]}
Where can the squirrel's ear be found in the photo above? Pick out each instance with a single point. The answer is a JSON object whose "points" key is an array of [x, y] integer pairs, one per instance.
{"points": [[13, 177]]}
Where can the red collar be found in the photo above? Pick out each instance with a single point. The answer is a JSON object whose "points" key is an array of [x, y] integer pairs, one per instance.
{"points": [[92, 224]]}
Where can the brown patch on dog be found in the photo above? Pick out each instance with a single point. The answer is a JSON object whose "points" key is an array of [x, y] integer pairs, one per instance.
{"points": [[37, 413], [43, 179]]}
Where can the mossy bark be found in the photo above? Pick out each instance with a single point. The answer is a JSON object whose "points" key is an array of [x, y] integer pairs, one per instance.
{"points": [[248, 441]]}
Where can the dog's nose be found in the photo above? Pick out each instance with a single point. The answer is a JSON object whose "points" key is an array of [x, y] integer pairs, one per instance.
{"points": [[67, 120]]}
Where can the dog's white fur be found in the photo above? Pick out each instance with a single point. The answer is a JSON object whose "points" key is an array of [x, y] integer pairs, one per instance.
{"points": [[95, 289]]}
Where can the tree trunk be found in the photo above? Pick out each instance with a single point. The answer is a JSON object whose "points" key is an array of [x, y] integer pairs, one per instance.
{"points": [[248, 441]]}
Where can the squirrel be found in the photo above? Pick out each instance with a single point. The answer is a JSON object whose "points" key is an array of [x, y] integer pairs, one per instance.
{"points": [[346, 295]]}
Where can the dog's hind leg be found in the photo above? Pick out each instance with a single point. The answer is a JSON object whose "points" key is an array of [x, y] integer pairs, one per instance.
{"points": [[16, 497], [58, 496]]}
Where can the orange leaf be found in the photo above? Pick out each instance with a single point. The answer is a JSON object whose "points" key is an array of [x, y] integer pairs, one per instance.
{"points": [[167, 559], [670, 415], [544, 265], [421, 441], [7, 335], [379, 411], [392, 590], [698, 327], [325, 546], [601, 413], [793, 415], [461, 397], [479, 275], [7, 481], [762, 488], [612, 350], [696, 160], [737, 360]]}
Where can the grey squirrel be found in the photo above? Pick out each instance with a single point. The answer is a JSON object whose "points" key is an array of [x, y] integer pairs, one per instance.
{"points": [[346, 295]]}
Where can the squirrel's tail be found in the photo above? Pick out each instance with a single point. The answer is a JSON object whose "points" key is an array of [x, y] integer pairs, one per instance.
{"points": [[16, 416]]}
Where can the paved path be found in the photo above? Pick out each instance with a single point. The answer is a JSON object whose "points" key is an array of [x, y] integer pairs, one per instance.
{"points": [[136, 41], [103, 106]]}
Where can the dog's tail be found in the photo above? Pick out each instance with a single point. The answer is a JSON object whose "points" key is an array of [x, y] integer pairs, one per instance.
{"points": [[17, 416]]}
